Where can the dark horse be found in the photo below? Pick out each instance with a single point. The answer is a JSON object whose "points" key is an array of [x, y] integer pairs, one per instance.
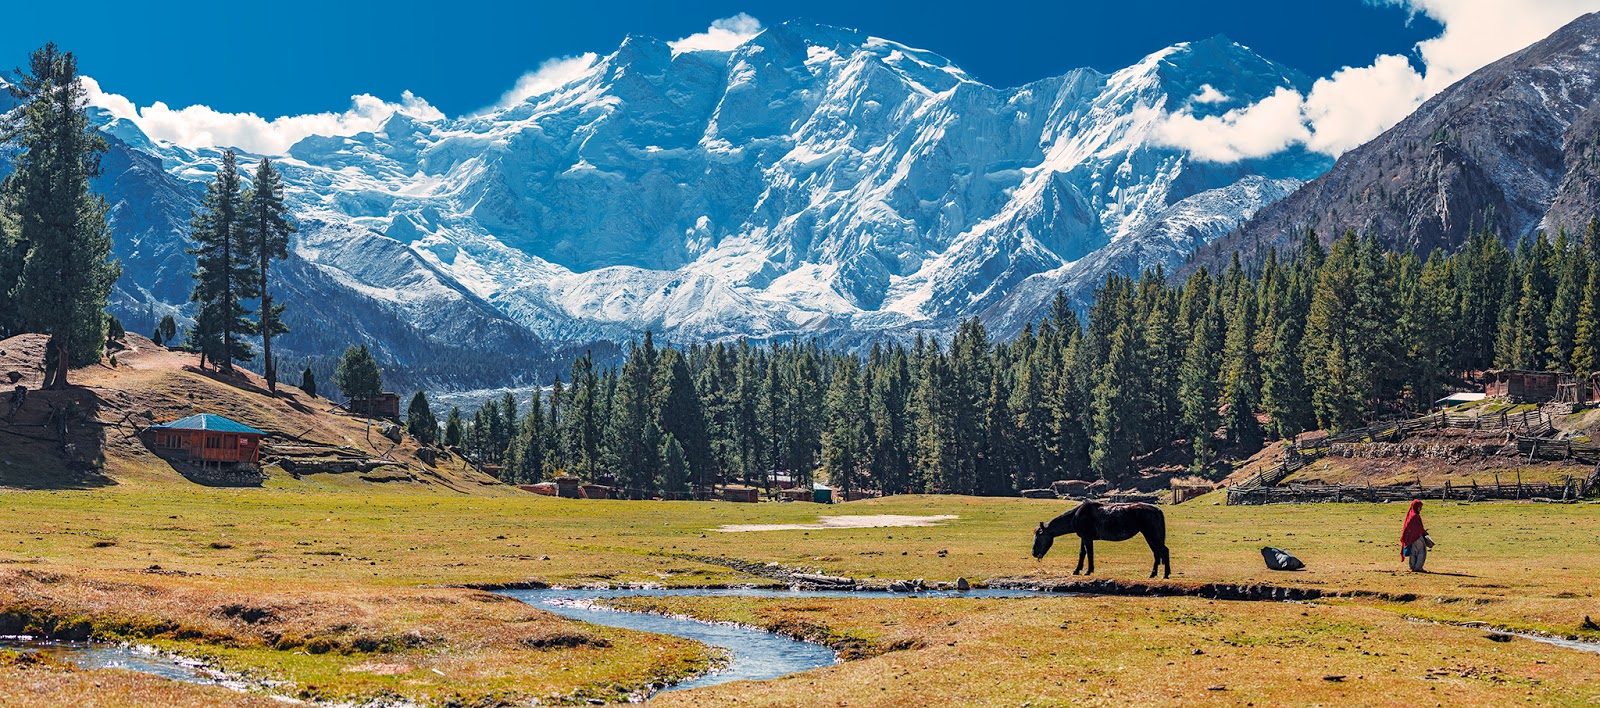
{"points": [[1093, 521]]}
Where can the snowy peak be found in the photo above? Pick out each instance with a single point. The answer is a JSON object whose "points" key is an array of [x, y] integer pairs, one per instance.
{"points": [[810, 180]]}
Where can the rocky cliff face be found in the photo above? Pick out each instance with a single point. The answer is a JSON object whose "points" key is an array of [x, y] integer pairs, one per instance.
{"points": [[1513, 145]]}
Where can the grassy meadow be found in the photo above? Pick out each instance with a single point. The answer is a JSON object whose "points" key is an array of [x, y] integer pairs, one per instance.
{"points": [[343, 594]]}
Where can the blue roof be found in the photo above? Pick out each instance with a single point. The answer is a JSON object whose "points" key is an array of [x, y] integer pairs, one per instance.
{"points": [[207, 421]]}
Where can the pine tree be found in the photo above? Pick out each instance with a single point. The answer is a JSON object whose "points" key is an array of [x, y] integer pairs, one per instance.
{"points": [[168, 328], [1586, 341], [12, 256], [631, 453], [66, 272], [1563, 320], [1197, 384], [675, 471], [420, 423], [453, 432], [678, 412], [1331, 341], [843, 436], [358, 375], [308, 382], [226, 272], [266, 231], [1242, 374], [1111, 444], [582, 430]]}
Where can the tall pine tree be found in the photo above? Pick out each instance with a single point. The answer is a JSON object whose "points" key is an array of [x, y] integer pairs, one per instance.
{"points": [[65, 273]]}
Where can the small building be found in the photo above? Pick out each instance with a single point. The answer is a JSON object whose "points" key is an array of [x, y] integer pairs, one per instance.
{"points": [[206, 438], [1458, 398], [569, 488], [738, 493], [797, 494], [821, 493], [385, 405], [594, 491], [1522, 386]]}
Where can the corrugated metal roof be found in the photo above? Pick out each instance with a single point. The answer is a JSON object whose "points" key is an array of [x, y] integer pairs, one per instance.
{"points": [[208, 421]]}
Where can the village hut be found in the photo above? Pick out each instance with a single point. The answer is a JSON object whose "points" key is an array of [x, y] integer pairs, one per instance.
{"points": [[739, 493], [1521, 386], [206, 438]]}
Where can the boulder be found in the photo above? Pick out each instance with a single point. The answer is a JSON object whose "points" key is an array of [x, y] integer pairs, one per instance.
{"points": [[391, 431], [13, 376]]}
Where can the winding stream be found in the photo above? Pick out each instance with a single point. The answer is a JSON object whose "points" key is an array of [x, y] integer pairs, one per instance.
{"points": [[754, 654]]}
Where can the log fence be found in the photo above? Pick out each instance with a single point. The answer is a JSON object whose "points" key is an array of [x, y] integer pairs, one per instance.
{"points": [[1527, 430]]}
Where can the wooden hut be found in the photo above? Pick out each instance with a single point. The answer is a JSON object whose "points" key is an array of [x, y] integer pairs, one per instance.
{"points": [[594, 491], [1522, 386], [385, 405], [569, 487], [738, 493], [206, 438]]}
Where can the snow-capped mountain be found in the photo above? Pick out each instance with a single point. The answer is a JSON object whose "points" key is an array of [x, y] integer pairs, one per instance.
{"points": [[812, 180]]}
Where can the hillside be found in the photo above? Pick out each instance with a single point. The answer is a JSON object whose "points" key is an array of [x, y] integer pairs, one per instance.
{"points": [[143, 383], [1514, 145]]}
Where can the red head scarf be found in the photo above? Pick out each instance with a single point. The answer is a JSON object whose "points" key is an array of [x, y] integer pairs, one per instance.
{"points": [[1412, 530]]}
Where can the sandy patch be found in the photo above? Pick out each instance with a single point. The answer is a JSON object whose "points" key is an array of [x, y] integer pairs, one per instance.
{"points": [[378, 669], [874, 521]]}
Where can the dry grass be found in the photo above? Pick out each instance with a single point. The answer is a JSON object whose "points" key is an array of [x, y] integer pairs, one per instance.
{"points": [[337, 586]]}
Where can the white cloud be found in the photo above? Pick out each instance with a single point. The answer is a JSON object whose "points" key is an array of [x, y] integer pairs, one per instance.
{"points": [[1209, 94], [551, 75], [1261, 129], [723, 35], [203, 126], [1356, 104]]}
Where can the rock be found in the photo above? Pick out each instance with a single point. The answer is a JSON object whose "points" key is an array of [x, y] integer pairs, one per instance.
{"points": [[1497, 637], [13, 376], [1335, 678], [428, 456], [1197, 652], [1589, 624], [1218, 687], [391, 431], [963, 585]]}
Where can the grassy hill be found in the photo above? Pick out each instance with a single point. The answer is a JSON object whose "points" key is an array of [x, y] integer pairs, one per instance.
{"points": [[87, 437]]}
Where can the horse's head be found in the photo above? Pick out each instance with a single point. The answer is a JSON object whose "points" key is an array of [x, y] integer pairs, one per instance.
{"points": [[1042, 538]]}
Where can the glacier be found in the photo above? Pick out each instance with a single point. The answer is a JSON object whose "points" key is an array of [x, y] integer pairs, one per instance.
{"points": [[812, 181]]}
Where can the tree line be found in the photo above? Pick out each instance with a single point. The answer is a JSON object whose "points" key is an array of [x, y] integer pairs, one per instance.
{"points": [[1199, 371]]}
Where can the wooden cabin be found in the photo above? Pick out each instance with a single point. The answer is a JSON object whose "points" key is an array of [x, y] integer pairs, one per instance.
{"points": [[739, 493], [206, 438], [385, 405], [1522, 386]]}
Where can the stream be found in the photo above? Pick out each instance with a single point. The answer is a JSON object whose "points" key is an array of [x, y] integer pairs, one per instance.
{"points": [[104, 655], [754, 654]]}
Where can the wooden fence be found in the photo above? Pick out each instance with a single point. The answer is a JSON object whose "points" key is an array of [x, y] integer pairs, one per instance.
{"points": [[1571, 489], [1526, 428]]}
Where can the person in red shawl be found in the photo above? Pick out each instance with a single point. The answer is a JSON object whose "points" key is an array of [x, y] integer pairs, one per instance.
{"points": [[1414, 541]]}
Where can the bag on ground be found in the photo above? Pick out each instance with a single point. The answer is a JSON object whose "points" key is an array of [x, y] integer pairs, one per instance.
{"points": [[1279, 559]]}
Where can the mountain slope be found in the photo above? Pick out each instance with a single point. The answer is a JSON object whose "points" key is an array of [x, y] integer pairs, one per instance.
{"points": [[1513, 145], [811, 181]]}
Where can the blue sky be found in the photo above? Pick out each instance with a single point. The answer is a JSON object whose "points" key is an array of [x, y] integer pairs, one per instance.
{"points": [[304, 57]]}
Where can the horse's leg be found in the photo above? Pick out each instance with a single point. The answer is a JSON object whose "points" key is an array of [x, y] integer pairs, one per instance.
{"points": [[1157, 538], [1083, 549], [1090, 545], [1155, 550]]}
